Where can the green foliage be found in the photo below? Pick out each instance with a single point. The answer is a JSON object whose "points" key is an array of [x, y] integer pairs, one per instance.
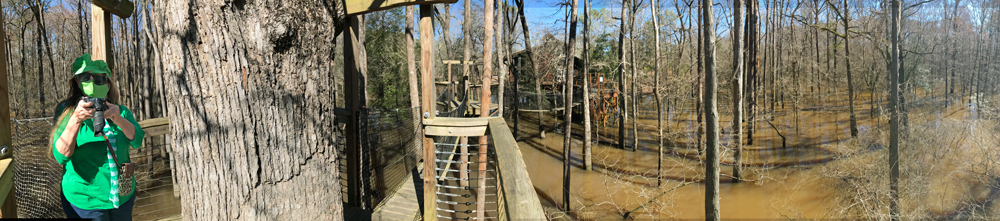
{"points": [[385, 44]]}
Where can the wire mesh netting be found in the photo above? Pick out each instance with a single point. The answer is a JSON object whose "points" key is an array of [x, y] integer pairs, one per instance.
{"points": [[35, 170], [388, 151], [37, 176]]}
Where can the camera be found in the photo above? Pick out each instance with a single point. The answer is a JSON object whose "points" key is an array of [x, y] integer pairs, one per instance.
{"points": [[100, 105]]}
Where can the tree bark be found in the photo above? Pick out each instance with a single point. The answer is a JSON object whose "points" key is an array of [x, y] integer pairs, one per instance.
{"points": [[737, 91], [501, 56], [850, 78], [656, 94], [252, 143], [534, 67], [752, 67], [631, 45], [568, 136], [894, 113], [467, 37], [587, 158], [411, 69], [711, 116], [622, 116]]}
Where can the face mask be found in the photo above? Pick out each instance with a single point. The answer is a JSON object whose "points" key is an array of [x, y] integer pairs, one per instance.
{"points": [[93, 90]]}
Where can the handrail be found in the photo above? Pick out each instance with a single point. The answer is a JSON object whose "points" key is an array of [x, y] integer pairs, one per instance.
{"points": [[156, 126], [520, 199]]}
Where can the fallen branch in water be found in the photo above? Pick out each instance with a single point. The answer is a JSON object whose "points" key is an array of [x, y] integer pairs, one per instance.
{"points": [[777, 132], [654, 199]]}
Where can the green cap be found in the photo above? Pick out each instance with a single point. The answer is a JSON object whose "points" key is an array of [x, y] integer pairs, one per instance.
{"points": [[85, 64]]}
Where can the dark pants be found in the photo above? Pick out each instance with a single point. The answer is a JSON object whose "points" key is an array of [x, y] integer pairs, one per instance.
{"points": [[123, 213]]}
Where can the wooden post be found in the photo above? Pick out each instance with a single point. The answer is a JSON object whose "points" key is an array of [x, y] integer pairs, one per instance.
{"points": [[354, 100], [100, 41], [427, 107], [484, 102], [9, 207]]}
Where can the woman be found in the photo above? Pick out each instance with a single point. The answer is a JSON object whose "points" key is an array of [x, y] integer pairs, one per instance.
{"points": [[90, 183]]}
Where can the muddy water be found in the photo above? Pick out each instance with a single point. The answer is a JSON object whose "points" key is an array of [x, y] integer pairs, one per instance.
{"points": [[783, 179]]}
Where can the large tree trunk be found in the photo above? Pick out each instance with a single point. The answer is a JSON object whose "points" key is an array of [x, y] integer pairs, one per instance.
{"points": [[587, 159], [568, 136], [711, 116], [622, 116], [737, 91], [258, 138]]}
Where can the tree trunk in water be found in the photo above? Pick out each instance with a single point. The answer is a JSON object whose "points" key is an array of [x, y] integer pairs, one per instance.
{"points": [[656, 95], [587, 159], [252, 143], [751, 79], [711, 116], [534, 67], [568, 140], [699, 103], [737, 92], [633, 63], [894, 113], [622, 116], [850, 79]]}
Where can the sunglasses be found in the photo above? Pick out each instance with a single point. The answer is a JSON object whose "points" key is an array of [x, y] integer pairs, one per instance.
{"points": [[98, 79]]}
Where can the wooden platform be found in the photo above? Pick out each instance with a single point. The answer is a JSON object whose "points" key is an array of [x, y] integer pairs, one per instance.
{"points": [[405, 203]]}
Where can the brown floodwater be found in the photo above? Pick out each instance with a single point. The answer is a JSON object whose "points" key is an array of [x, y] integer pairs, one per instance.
{"points": [[783, 180]]}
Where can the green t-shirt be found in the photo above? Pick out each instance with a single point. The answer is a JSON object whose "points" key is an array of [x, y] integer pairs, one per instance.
{"points": [[86, 182]]}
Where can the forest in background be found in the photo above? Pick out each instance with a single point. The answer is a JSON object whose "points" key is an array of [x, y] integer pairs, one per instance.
{"points": [[795, 51]]}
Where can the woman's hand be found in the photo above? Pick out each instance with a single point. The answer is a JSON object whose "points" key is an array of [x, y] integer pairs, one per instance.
{"points": [[113, 113], [82, 112]]}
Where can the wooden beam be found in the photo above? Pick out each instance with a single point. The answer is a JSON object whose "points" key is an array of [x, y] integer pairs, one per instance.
{"points": [[9, 207], [121, 8], [358, 7], [427, 107], [154, 122], [455, 131], [100, 31], [521, 200], [456, 122], [353, 56]]}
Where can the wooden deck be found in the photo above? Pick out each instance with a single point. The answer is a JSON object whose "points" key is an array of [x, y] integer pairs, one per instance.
{"points": [[405, 203]]}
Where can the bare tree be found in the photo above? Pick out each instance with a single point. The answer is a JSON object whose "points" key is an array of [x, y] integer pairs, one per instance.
{"points": [[894, 111], [587, 158], [711, 116], [622, 115], [737, 91], [568, 136], [656, 93]]}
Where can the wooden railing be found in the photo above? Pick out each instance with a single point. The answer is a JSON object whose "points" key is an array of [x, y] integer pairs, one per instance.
{"points": [[516, 198]]}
